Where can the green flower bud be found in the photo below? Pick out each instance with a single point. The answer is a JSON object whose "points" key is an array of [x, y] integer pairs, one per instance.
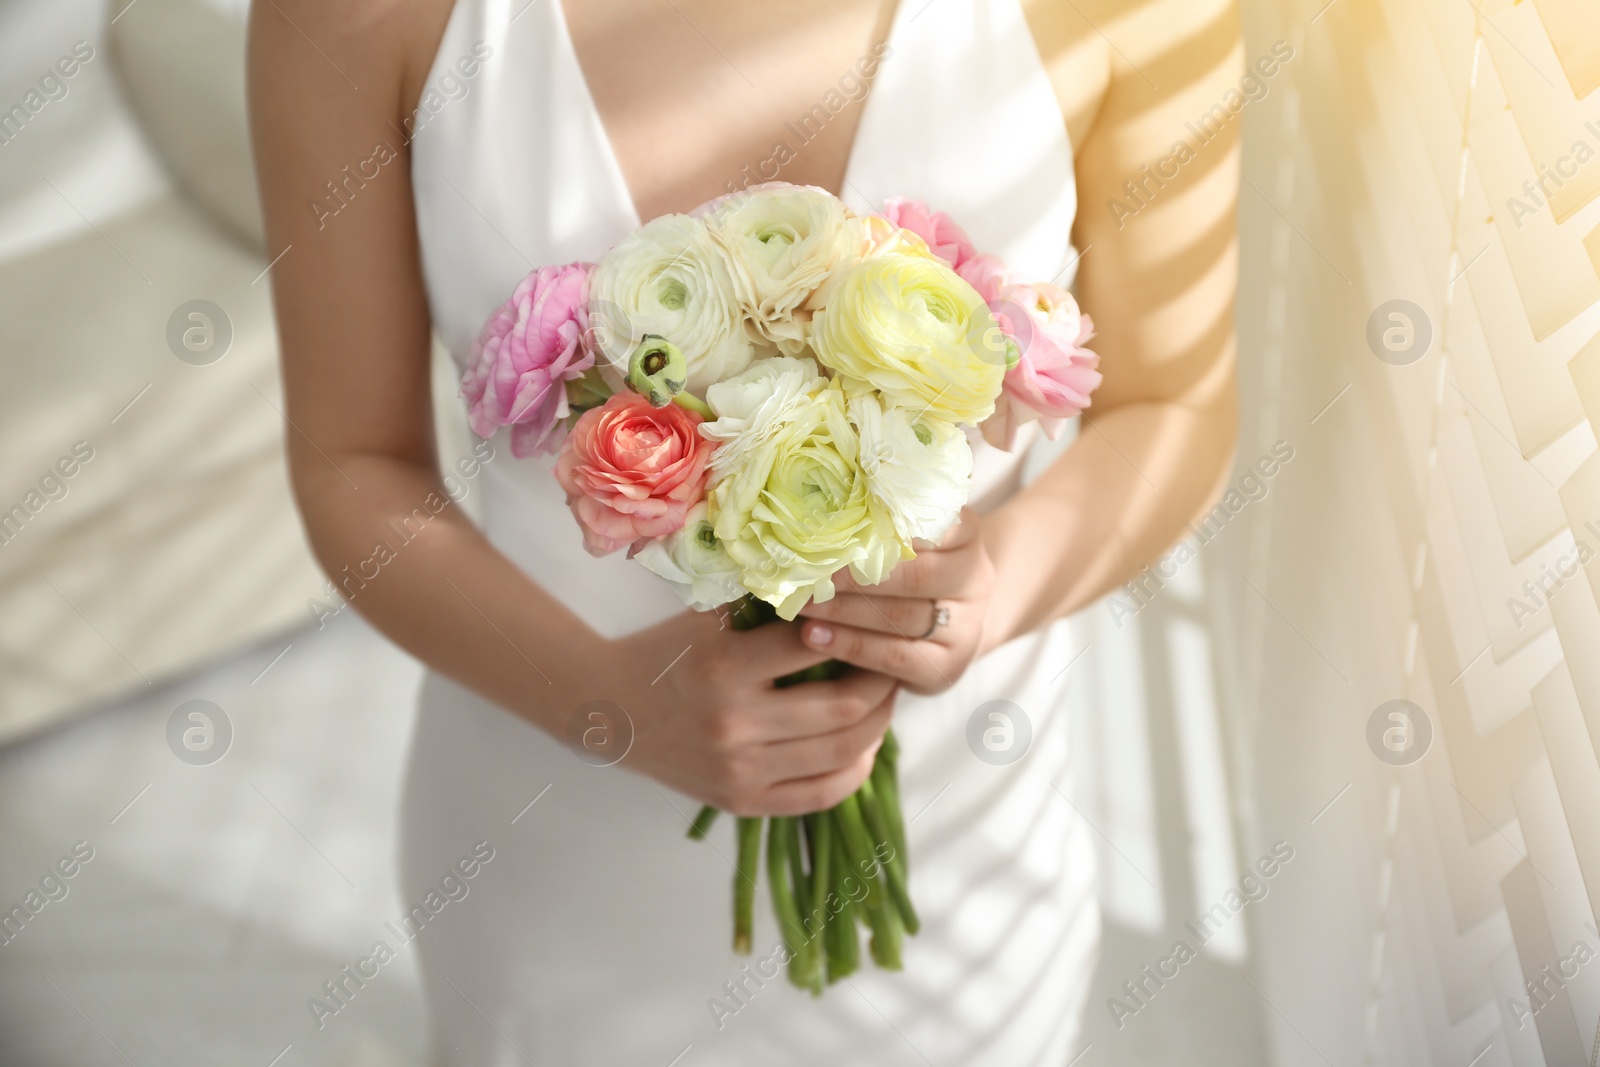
{"points": [[657, 371]]}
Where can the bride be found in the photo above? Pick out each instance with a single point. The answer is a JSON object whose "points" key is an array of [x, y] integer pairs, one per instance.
{"points": [[419, 157]]}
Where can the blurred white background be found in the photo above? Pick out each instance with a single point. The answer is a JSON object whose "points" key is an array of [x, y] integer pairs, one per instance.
{"points": [[1427, 541]]}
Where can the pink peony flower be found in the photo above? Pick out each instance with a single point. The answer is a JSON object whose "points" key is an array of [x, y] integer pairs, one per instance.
{"points": [[530, 347], [944, 238], [1055, 373], [632, 472]]}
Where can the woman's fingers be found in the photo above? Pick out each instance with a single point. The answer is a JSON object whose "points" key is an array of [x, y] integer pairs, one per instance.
{"points": [[920, 664], [801, 796], [814, 709], [936, 573], [763, 654], [830, 752], [908, 617]]}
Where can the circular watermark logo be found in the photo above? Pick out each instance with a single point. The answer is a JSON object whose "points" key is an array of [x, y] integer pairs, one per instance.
{"points": [[199, 732], [1399, 332], [999, 732], [599, 733], [199, 332], [990, 337], [1399, 732]]}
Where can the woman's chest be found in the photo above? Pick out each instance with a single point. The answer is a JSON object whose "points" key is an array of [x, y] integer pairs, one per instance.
{"points": [[699, 95]]}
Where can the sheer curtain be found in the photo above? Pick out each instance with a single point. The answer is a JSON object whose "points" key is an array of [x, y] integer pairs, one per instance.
{"points": [[1419, 326], [1440, 543]]}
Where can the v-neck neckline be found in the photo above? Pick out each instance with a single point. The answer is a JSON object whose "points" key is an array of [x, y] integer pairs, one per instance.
{"points": [[608, 150]]}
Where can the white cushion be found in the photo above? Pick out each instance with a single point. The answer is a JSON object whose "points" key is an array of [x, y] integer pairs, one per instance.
{"points": [[181, 63]]}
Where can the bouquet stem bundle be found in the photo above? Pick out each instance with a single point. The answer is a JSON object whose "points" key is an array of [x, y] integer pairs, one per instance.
{"points": [[828, 870]]}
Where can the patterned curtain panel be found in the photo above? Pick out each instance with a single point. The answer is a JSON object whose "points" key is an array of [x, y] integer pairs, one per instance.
{"points": [[1406, 628]]}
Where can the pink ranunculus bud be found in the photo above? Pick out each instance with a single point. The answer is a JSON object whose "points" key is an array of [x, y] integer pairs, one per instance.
{"points": [[987, 274], [944, 238], [632, 471], [529, 349], [1054, 374]]}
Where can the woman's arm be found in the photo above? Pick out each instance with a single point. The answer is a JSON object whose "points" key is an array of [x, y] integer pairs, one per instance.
{"points": [[328, 83], [1158, 275]]}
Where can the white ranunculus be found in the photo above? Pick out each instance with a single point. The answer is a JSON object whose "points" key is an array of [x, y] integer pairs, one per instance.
{"points": [[919, 468], [694, 563], [751, 406], [785, 241], [673, 279], [796, 510]]}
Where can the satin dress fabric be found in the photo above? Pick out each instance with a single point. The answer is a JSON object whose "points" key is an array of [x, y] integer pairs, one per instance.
{"points": [[597, 934]]}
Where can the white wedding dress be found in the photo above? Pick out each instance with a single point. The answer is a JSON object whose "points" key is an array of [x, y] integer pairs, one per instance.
{"points": [[598, 934]]}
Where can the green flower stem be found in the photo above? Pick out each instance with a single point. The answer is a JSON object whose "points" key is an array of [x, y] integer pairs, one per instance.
{"points": [[886, 782], [819, 834], [811, 948], [844, 946], [894, 872], [781, 854], [887, 937], [690, 402], [889, 751], [882, 915], [702, 823], [818, 905], [744, 885]]}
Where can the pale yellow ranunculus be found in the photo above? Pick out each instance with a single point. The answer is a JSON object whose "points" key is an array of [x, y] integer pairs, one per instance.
{"points": [[911, 328], [797, 509]]}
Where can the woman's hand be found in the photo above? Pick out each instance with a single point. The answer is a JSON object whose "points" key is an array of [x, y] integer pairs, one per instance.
{"points": [[708, 721], [924, 624]]}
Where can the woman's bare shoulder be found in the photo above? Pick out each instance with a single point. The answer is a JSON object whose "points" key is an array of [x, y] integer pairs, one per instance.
{"points": [[1090, 47], [378, 47]]}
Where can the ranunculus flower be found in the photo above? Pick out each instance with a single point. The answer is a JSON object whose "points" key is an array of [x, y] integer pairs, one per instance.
{"points": [[798, 508], [784, 241], [751, 406], [670, 278], [909, 327], [987, 274], [694, 563], [919, 468], [529, 349], [632, 471], [939, 231], [1055, 374]]}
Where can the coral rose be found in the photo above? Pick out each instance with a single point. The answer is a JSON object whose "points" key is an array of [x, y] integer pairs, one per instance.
{"points": [[632, 471]]}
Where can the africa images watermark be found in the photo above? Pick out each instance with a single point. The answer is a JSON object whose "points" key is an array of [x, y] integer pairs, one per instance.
{"points": [[53, 86], [1153, 177], [1551, 982], [53, 485], [851, 88], [1553, 176], [742, 989], [339, 991], [1253, 888], [454, 85], [1252, 487], [1552, 576], [409, 529], [53, 887]]}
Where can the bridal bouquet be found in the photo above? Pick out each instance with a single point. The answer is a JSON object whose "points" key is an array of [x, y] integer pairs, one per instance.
{"points": [[755, 396]]}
